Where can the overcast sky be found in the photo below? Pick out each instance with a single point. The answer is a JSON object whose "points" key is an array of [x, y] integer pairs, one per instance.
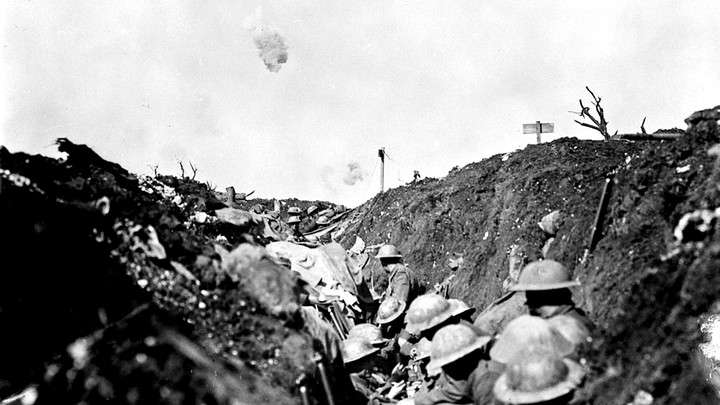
{"points": [[438, 84]]}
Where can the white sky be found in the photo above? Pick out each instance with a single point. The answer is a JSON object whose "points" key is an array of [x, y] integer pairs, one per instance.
{"points": [[439, 84]]}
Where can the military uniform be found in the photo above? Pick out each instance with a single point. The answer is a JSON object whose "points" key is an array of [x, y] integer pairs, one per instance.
{"points": [[308, 225], [475, 388], [401, 283], [573, 312], [366, 382]]}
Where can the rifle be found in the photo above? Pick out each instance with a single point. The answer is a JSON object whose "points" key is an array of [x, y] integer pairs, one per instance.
{"points": [[599, 216]]}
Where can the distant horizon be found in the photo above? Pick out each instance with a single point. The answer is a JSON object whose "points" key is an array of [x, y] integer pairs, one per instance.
{"points": [[256, 196], [437, 84]]}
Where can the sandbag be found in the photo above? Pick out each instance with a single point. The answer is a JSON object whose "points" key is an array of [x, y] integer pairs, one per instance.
{"points": [[302, 261], [336, 260]]}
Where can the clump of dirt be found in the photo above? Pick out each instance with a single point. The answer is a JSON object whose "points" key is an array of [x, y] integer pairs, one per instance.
{"points": [[647, 292], [98, 256]]}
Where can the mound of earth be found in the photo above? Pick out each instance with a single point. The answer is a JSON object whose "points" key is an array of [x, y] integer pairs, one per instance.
{"points": [[647, 291], [128, 289]]}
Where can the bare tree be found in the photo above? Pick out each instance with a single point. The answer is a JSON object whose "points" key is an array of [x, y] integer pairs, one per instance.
{"points": [[182, 169], [599, 123], [642, 126], [194, 170]]}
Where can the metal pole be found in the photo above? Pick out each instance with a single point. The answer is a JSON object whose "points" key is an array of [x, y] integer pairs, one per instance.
{"points": [[300, 383], [538, 130], [381, 154], [304, 395], [336, 323], [324, 379]]}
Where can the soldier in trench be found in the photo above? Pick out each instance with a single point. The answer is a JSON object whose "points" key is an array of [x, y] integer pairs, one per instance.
{"points": [[467, 374], [547, 284], [309, 222], [402, 283], [295, 234], [541, 378]]}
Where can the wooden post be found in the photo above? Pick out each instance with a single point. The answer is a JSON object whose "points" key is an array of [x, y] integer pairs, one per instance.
{"points": [[538, 128], [230, 194], [381, 154]]}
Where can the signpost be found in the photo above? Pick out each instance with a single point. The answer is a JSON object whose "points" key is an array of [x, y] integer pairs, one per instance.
{"points": [[381, 155], [539, 128]]}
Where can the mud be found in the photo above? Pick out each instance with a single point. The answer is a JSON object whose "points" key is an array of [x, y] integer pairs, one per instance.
{"points": [[646, 292], [87, 245], [120, 287]]}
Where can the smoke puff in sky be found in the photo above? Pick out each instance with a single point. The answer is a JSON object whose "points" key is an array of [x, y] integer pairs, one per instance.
{"points": [[438, 84], [270, 44], [354, 174]]}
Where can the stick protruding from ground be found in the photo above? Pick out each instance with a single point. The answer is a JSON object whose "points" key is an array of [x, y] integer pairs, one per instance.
{"points": [[194, 170]]}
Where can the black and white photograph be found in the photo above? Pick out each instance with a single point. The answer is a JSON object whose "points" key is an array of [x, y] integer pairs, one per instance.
{"points": [[471, 202]]}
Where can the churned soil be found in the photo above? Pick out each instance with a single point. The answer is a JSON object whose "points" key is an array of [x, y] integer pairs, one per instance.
{"points": [[115, 287], [646, 291], [122, 288]]}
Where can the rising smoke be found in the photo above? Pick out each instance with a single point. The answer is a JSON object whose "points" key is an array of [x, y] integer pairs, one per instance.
{"points": [[353, 174], [270, 44]]}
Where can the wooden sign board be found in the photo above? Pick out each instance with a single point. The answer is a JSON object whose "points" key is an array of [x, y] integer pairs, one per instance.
{"points": [[545, 128]]}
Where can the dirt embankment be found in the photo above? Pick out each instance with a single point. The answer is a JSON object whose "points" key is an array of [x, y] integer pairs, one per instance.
{"points": [[646, 292], [114, 287]]}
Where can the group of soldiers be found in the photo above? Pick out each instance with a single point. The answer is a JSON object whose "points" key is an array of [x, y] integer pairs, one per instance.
{"points": [[426, 349], [298, 222], [305, 222]]}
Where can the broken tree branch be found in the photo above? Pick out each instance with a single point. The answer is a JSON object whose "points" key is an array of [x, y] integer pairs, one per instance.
{"points": [[599, 121], [587, 125], [182, 169], [642, 126], [194, 170]]}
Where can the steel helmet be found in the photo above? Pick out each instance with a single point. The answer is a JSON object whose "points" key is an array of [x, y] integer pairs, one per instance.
{"points": [[323, 220], [294, 210], [390, 309], [356, 349], [311, 209], [544, 275], [388, 252], [459, 307], [427, 311], [527, 333], [293, 220], [452, 343], [367, 332], [572, 329], [538, 377]]}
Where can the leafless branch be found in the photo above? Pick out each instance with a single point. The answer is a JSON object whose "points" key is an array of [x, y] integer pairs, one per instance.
{"points": [[154, 169], [587, 125], [182, 169], [598, 119], [210, 186], [642, 126], [194, 169]]}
